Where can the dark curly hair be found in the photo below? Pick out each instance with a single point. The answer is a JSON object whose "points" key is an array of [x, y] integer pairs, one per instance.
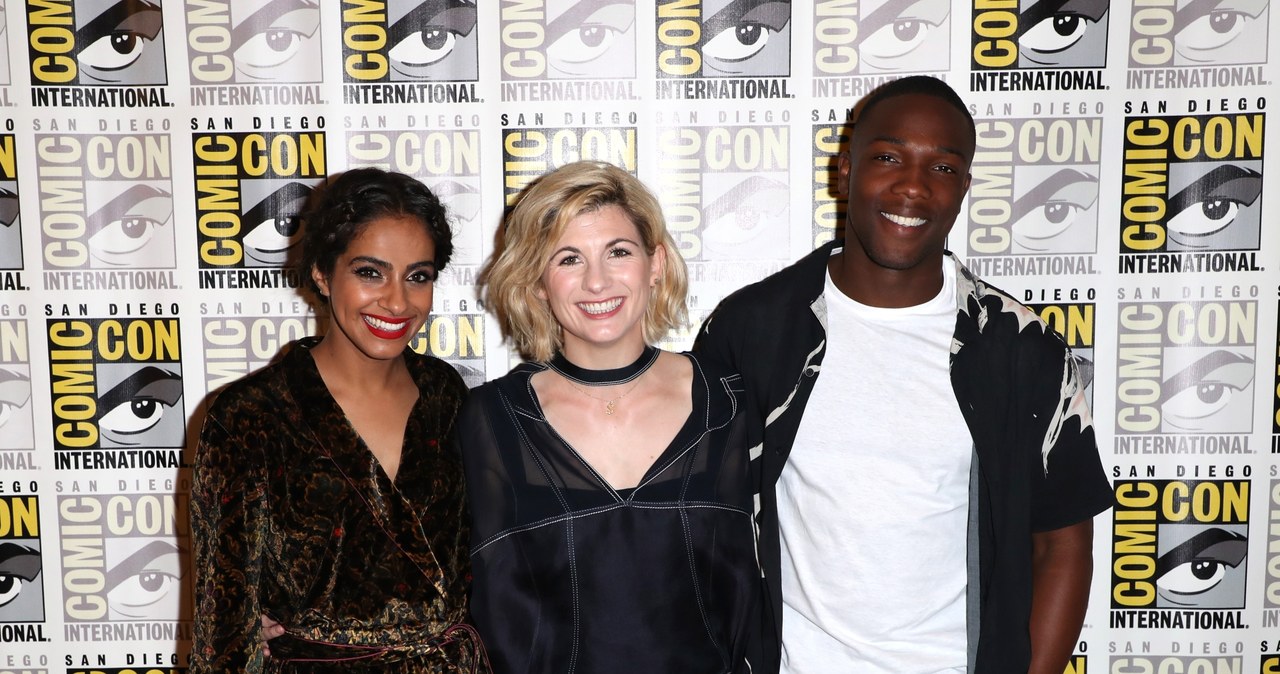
{"points": [[342, 207]]}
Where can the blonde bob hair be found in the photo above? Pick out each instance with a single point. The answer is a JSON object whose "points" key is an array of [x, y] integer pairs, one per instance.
{"points": [[512, 277]]}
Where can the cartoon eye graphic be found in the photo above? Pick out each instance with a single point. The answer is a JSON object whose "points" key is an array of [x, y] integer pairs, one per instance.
{"points": [[1211, 203], [428, 34], [273, 35], [461, 200], [1205, 29], [127, 223], [1049, 209], [1050, 28], [15, 391], [8, 207], [585, 33], [19, 566], [1200, 563], [742, 29], [752, 208], [137, 404], [1194, 397], [274, 224], [146, 584], [893, 33], [117, 38]]}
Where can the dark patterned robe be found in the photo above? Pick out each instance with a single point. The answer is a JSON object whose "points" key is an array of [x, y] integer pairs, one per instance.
{"points": [[293, 517]]}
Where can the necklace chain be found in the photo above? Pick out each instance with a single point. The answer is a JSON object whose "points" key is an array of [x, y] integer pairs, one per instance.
{"points": [[610, 404], [575, 376]]}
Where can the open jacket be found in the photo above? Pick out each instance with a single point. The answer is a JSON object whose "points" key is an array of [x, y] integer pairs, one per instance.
{"points": [[293, 517], [1035, 465]]}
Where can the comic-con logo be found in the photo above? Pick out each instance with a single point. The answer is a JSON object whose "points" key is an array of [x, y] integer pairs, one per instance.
{"points": [[1039, 34], [725, 190], [116, 386], [530, 151], [123, 559], [1034, 192], [457, 339], [445, 160], [568, 49], [250, 188], [1198, 34], [723, 48], [1187, 368], [410, 51], [16, 432], [4, 50], [1192, 189], [1178, 544], [21, 581], [880, 36], [10, 225], [253, 41], [106, 43], [829, 140], [236, 344], [106, 201], [1177, 663]]}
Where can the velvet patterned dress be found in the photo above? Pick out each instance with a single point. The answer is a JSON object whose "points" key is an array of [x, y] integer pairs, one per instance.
{"points": [[293, 517]]}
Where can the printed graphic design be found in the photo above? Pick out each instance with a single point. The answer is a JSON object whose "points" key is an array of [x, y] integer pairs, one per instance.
{"points": [[123, 561], [528, 152], [1198, 33], [253, 41], [741, 40], [881, 36], [117, 391], [1186, 368], [1180, 545], [97, 43], [10, 222], [21, 564], [1040, 34], [1192, 190], [106, 201], [250, 189]]}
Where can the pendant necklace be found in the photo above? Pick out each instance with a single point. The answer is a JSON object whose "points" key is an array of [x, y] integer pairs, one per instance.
{"points": [[580, 376]]}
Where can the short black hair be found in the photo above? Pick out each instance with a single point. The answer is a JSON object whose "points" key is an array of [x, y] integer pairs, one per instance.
{"points": [[347, 202], [915, 84]]}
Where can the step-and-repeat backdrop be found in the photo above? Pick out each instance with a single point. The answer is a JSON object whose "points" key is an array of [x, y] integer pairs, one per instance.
{"points": [[153, 156]]}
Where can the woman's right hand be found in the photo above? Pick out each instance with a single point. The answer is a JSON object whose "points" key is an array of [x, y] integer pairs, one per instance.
{"points": [[270, 630]]}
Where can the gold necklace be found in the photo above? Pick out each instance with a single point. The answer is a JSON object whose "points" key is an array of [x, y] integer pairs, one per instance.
{"points": [[610, 404]]}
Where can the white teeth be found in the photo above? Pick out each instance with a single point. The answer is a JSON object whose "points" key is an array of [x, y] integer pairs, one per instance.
{"points": [[903, 220], [600, 307], [385, 326]]}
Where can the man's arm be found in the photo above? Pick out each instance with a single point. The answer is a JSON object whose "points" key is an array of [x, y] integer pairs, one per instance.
{"points": [[1061, 566]]}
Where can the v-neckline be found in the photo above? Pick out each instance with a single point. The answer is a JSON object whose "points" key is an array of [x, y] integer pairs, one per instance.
{"points": [[649, 473]]}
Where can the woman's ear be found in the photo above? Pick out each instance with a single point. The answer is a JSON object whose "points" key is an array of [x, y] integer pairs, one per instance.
{"points": [[321, 282], [657, 264]]}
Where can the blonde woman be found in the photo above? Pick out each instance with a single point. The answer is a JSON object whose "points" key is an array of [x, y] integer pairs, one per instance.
{"points": [[611, 514]]}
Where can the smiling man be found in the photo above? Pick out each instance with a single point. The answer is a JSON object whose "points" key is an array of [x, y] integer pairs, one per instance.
{"points": [[929, 473]]}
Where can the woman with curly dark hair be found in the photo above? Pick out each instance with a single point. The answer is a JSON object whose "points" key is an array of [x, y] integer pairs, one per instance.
{"points": [[325, 496]]}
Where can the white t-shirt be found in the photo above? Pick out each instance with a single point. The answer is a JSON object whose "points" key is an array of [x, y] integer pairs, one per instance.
{"points": [[873, 500]]}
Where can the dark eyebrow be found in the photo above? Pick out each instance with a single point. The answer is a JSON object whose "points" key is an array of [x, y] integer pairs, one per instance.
{"points": [[149, 382], [138, 561], [121, 205], [576, 15], [1040, 194], [19, 560], [451, 15], [1222, 545], [383, 264], [894, 140], [148, 22], [264, 17], [1194, 373]]}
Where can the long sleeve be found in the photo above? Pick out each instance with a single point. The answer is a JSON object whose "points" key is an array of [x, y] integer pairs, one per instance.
{"points": [[228, 529]]}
